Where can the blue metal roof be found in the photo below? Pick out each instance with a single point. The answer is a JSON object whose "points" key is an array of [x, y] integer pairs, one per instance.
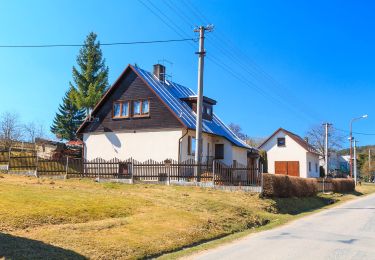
{"points": [[171, 93]]}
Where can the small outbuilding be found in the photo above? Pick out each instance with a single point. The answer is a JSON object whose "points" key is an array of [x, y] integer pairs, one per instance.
{"points": [[289, 154]]}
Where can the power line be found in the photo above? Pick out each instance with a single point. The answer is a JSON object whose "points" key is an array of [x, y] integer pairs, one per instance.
{"points": [[228, 52], [166, 20], [357, 133], [101, 44]]}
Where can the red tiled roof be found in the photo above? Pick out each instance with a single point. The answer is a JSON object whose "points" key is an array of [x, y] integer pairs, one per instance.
{"points": [[75, 143]]}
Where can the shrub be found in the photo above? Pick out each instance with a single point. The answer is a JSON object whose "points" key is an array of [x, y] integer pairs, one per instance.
{"points": [[288, 186], [343, 185]]}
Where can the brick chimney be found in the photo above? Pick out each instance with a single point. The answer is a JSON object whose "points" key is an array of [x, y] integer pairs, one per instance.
{"points": [[159, 72]]}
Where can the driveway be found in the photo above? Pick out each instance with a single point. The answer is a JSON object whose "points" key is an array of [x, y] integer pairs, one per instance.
{"points": [[343, 232]]}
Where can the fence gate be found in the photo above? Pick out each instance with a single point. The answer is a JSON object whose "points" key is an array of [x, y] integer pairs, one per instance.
{"points": [[236, 175]]}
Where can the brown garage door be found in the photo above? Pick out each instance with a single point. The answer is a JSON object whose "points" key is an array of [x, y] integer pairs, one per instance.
{"points": [[290, 168]]}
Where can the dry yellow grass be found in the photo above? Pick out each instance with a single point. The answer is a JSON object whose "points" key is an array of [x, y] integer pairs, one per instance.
{"points": [[44, 218]]}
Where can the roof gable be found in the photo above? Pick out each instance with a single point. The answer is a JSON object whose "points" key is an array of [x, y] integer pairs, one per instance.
{"points": [[299, 140], [171, 94]]}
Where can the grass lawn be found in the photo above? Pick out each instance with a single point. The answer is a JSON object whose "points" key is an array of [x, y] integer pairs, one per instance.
{"points": [[76, 219]]}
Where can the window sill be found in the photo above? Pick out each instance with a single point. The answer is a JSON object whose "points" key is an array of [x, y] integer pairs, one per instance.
{"points": [[120, 118], [141, 116]]}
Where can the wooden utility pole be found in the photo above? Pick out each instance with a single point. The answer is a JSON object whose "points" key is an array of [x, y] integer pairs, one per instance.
{"points": [[369, 160], [198, 132], [355, 161], [326, 158]]}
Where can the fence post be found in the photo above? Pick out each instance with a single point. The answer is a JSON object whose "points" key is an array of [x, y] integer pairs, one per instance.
{"points": [[36, 165], [9, 157], [66, 167], [169, 177], [132, 171], [213, 173]]}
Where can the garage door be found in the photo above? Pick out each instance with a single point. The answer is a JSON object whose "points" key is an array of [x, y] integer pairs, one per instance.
{"points": [[290, 168]]}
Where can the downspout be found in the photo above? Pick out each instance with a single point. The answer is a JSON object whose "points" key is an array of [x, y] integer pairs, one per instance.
{"points": [[179, 144]]}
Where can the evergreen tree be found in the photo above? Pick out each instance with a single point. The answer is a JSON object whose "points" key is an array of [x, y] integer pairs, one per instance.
{"points": [[91, 80], [68, 119]]}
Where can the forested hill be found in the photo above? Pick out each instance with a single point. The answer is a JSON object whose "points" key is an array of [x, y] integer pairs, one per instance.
{"points": [[360, 149]]}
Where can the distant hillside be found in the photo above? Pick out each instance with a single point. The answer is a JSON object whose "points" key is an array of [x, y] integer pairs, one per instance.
{"points": [[360, 149]]}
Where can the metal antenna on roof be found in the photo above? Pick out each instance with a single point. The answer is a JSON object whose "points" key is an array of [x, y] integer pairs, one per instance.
{"points": [[162, 62]]}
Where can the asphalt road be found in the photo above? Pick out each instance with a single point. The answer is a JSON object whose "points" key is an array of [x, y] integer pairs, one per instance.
{"points": [[343, 232]]}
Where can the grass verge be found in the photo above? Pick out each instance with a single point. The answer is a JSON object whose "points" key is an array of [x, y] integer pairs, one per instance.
{"points": [[288, 209], [76, 219]]}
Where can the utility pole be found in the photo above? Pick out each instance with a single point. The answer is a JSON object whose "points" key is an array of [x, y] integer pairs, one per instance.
{"points": [[198, 131], [351, 141], [326, 167], [355, 161], [369, 160]]}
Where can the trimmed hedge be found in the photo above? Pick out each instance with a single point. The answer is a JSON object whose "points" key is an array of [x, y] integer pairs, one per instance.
{"points": [[343, 185], [284, 186]]}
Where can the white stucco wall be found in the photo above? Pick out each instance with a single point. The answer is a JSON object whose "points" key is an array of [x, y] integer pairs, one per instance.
{"points": [[156, 145], [291, 152], [314, 159], [141, 145], [231, 152]]}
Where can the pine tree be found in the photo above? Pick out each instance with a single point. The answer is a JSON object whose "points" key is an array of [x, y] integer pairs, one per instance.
{"points": [[68, 119], [91, 80]]}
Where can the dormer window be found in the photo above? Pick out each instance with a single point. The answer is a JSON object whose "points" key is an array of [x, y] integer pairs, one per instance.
{"points": [[208, 104], [207, 110]]}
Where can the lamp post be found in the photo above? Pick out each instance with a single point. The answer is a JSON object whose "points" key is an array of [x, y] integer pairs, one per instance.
{"points": [[355, 161], [351, 141]]}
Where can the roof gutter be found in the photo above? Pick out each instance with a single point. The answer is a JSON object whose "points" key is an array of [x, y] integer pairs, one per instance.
{"points": [[179, 144]]}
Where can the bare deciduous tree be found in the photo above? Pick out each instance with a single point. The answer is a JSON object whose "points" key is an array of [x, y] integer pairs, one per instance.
{"points": [[255, 141], [252, 141], [316, 137], [10, 129], [237, 130], [34, 130]]}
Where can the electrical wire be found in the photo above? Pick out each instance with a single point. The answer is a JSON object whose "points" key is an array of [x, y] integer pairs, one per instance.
{"points": [[229, 49], [101, 44], [357, 133], [225, 51]]}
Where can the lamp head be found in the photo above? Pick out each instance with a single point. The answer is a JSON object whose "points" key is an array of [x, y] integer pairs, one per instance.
{"points": [[365, 116]]}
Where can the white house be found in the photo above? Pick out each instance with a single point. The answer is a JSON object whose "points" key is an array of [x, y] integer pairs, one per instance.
{"points": [[145, 116], [289, 154], [338, 164]]}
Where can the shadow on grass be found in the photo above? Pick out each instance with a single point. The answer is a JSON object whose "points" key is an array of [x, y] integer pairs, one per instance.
{"points": [[13, 247], [355, 193], [295, 206]]}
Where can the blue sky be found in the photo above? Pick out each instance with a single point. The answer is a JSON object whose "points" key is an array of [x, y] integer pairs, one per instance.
{"points": [[291, 64]]}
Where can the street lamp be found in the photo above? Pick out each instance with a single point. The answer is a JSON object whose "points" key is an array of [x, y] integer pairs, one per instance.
{"points": [[351, 141]]}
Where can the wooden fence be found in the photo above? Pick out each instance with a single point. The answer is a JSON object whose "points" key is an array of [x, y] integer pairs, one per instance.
{"points": [[325, 185], [4, 157], [168, 171], [171, 170]]}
